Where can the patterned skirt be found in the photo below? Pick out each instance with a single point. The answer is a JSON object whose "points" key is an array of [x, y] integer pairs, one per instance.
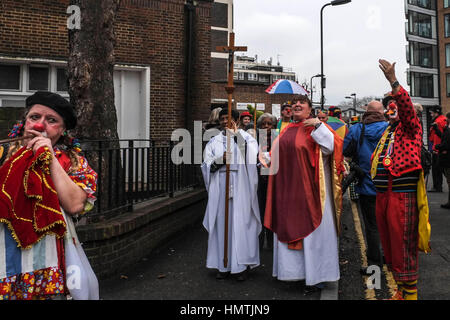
{"points": [[36, 273]]}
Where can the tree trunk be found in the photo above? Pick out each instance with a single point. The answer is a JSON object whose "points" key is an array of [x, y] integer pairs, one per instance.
{"points": [[91, 87], [91, 67]]}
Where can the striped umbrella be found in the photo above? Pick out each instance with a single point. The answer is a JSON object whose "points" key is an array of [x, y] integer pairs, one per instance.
{"points": [[286, 86]]}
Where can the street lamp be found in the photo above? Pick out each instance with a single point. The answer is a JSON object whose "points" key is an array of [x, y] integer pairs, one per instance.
{"points": [[317, 75], [353, 95], [322, 83]]}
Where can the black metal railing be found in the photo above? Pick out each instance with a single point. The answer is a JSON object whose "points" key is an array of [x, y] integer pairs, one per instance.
{"points": [[134, 171]]}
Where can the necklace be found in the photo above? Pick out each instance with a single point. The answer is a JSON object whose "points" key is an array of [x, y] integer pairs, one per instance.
{"points": [[387, 161]]}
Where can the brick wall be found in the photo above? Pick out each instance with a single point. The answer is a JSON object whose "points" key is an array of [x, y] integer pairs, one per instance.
{"points": [[149, 32], [251, 93], [443, 69], [120, 242]]}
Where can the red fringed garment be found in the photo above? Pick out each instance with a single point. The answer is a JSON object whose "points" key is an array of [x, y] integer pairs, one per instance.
{"points": [[293, 206], [29, 204]]}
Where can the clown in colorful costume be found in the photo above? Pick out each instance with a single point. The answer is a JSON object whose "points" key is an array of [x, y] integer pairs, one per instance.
{"points": [[55, 181], [401, 204]]}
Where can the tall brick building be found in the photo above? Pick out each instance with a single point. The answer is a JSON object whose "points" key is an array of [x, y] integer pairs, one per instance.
{"points": [[162, 73], [248, 90]]}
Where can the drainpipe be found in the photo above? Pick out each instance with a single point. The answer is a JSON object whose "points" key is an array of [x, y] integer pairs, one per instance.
{"points": [[189, 8]]}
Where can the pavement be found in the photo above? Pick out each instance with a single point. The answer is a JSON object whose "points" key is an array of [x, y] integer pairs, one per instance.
{"points": [[177, 270], [434, 267]]}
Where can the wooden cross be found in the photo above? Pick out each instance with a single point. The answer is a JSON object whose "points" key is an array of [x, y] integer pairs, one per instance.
{"points": [[230, 49]]}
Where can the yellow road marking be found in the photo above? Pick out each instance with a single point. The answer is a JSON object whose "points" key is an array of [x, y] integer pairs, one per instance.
{"points": [[370, 293]]}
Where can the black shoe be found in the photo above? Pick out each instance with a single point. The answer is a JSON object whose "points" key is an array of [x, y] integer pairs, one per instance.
{"points": [[242, 276], [310, 290], [222, 275], [445, 206]]}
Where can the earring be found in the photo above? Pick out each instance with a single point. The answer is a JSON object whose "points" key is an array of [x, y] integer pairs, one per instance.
{"points": [[16, 130]]}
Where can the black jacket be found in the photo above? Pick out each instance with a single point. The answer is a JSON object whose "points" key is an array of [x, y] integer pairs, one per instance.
{"points": [[444, 149]]}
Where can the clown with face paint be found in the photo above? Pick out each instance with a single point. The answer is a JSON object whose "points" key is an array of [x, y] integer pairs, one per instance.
{"points": [[401, 203], [45, 181]]}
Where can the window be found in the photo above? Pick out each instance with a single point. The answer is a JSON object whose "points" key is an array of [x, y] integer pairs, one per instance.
{"points": [[447, 55], [241, 76], [446, 2], [252, 77], [420, 24], [423, 55], [448, 84], [61, 79], [264, 78], [9, 77], [427, 4], [447, 25], [422, 85], [38, 78]]}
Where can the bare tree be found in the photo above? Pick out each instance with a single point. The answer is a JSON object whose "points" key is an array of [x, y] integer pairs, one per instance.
{"points": [[91, 67], [91, 89]]}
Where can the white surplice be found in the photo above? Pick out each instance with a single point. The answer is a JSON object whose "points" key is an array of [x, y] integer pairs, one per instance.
{"points": [[318, 261], [244, 223]]}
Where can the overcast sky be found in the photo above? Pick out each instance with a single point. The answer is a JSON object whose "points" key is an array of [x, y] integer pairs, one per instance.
{"points": [[356, 35]]}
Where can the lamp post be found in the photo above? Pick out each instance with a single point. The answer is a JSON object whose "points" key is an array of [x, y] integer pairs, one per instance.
{"points": [[317, 75], [322, 83], [353, 96]]}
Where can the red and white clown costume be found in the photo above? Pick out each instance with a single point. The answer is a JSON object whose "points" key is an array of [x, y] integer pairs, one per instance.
{"points": [[401, 204]]}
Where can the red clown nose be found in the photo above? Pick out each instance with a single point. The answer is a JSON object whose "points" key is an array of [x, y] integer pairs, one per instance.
{"points": [[39, 127]]}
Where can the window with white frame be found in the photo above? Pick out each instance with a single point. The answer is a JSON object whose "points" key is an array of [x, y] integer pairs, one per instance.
{"points": [[62, 84], [38, 77], [10, 77], [448, 84], [252, 77]]}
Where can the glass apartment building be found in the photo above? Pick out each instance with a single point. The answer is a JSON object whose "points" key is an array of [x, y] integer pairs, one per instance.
{"points": [[422, 55]]}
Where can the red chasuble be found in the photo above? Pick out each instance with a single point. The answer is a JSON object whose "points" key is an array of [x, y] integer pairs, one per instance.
{"points": [[295, 194], [29, 205]]}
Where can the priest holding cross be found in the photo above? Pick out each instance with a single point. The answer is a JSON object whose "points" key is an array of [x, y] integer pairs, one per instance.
{"points": [[232, 216]]}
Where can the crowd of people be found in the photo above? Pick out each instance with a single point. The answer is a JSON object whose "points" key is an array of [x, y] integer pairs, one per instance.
{"points": [[288, 179]]}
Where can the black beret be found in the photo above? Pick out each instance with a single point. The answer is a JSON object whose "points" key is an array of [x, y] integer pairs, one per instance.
{"points": [[234, 113], [57, 103], [436, 109], [386, 100], [285, 105]]}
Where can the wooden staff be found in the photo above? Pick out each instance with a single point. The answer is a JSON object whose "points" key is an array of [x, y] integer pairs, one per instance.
{"points": [[15, 139], [229, 89], [254, 120]]}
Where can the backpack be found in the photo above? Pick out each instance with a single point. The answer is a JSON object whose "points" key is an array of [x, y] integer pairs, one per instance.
{"points": [[425, 157], [352, 148]]}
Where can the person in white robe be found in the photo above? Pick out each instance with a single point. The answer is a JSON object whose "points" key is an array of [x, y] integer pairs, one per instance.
{"points": [[244, 223]]}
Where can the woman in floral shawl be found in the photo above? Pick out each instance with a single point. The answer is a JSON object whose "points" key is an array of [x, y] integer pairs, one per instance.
{"points": [[42, 177]]}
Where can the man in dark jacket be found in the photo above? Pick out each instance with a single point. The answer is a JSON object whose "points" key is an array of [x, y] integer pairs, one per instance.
{"points": [[374, 125], [437, 127], [444, 156]]}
